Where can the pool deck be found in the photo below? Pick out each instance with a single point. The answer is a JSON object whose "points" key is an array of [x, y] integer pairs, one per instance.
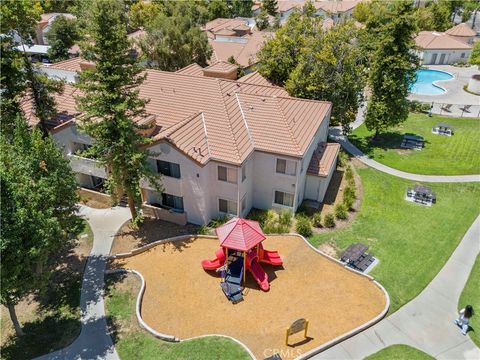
{"points": [[455, 94]]}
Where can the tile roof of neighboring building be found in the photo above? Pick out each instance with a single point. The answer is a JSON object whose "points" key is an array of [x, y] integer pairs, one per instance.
{"points": [[439, 40], [192, 69], [461, 30], [221, 66], [210, 118], [244, 53], [217, 25], [255, 78], [323, 159], [72, 64], [284, 6], [335, 7]]}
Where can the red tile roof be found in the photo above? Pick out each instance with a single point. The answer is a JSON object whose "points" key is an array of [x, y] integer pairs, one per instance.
{"points": [[255, 78], [439, 40], [210, 118], [462, 30], [240, 234]]}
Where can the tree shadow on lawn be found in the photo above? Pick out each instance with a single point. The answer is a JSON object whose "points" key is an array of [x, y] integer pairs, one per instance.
{"points": [[389, 140]]}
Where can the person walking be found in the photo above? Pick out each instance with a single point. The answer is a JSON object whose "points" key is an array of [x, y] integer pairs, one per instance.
{"points": [[464, 316]]}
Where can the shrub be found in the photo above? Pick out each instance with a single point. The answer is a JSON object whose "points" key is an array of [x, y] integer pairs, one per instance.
{"points": [[349, 173], [341, 211], [285, 218], [342, 158], [329, 221], [419, 107], [304, 226], [349, 192], [214, 223], [317, 220], [203, 230], [257, 215], [348, 202], [301, 210]]}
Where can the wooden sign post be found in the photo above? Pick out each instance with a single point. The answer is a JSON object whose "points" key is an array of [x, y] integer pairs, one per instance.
{"points": [[296, 327]]}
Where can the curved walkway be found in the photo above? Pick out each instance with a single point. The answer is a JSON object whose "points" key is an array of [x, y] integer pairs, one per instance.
{"points": [[426, 322], [336, 134], [94, 341]]}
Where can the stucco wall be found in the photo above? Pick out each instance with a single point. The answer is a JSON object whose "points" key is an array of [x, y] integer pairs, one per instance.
{"points": [[451, 56]]}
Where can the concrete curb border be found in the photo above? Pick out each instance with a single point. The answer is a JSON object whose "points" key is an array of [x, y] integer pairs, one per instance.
{"points": [[307, 355]]}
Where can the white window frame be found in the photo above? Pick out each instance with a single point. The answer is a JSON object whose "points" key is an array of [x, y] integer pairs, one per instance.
{"points": [[287, 161], [282, 205], [231, 172], [228, 201]]}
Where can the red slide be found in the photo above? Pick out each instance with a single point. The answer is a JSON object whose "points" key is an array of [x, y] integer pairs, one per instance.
{"points": [[215, 263], [271, 257], [259, 275]]}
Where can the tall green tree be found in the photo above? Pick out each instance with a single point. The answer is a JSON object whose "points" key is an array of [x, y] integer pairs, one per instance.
{"points": [[218, 9], [141, 14], [332, 67], [433, 17], [38, 213], [475, 55], [111, 101], [261, 20], [280, 55], [393, 64], [242, 8], [271, 6], [173, 42], [61, 36]]}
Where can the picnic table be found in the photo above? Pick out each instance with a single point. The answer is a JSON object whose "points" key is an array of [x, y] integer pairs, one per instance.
{"points": [[356, 257], [412, 142]]}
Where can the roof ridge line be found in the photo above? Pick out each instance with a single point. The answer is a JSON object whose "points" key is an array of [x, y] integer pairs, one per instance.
{"points": [[206, 135], [245, 121], [229, 122]]}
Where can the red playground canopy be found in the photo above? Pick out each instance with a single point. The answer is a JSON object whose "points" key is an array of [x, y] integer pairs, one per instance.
{"points": [[240, 234]]}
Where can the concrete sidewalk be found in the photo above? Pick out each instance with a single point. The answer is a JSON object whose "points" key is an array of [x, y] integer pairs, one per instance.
{"points": [[94, 341], [426, 322]]}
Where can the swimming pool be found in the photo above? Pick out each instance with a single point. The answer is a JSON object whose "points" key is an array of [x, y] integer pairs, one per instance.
{"points": [[425, 82]]}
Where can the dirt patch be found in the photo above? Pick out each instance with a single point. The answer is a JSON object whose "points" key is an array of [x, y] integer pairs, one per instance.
{"points": [[329, 249], [183, 300], [129, 237], [94, 199]]}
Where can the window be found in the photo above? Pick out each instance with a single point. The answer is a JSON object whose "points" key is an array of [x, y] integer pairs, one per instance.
{"points": [[244, 173], [227, 174], [168, 169], [288, 167], [283, 198], [227, 206], [97, 182], [463, 55], [172, 201]]}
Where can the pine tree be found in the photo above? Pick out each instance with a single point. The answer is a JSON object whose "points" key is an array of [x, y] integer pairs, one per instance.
{"points": [[271, 6], [110, 103], [63, 34], [38, 210], [393, 64]]}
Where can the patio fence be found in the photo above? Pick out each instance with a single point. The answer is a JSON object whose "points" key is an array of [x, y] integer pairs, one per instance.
{"points": [[455, 110]]}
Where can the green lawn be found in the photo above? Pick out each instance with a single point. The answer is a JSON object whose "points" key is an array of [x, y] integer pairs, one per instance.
{"points": [[411, 241], [471, 296], [132, 342], [399, 352], [442, 155]]}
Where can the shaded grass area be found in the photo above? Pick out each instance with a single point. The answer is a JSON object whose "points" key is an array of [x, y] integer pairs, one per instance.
{"points": [[399, 352], [411, 241], [132, 342], [50, 320], [442, 155], [471, 296]]}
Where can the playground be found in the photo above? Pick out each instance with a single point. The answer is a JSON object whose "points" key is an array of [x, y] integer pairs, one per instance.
{"points": [[185, 300]]}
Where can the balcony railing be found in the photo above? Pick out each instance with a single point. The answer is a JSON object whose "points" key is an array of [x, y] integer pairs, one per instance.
{"points": [[87, 166], [164, 214]]}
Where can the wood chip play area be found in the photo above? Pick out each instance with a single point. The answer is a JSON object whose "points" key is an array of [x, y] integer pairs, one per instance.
{"points": [[184, 300]]}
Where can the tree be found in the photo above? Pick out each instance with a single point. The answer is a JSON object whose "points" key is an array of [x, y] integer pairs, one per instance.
{"points": [[63, 34], [475, 55], [433, 17], [332, 68], [240, 71], [111, 101], [393, 64], [142, 13], [280, 55], [38, 213], [173, 42], [218, 9], [362, 11], [242, 8], [261, 21], [271, 6]]}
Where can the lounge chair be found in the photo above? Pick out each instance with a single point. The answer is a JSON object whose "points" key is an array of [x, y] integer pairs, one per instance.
{"points": [[447, 107], [466, 108]]}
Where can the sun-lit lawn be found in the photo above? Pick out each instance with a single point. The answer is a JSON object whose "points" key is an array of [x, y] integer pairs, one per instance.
{"points": [[132, 342], [411, 241], [442, 155], [471, 296], [399, 352]]}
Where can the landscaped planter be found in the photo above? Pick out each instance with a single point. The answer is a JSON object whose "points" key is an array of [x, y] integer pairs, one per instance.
{"points": [[474, 84]]}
